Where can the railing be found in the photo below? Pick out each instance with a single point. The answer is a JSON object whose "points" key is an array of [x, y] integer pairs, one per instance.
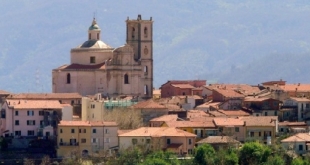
{"points": [[68, 144]]}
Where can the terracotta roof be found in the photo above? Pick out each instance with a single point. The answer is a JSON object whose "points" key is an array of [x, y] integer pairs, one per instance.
{"points": [[158, 132], [196, 113], [242, 88], [149, 104], [234, 112], [119, 132], [296, 87], [34, 104], [166, 118], [216, 113], [218, 140], [287, 123], [207, 105], [256, 99], [189, 96], [183, 86], [300, 99], [202, 119], [228, 122], [300, 137], [86, 123], [3, 92], [259, 120], [274, 82], [80, 66], [185, 124], [45, 96], [229, 93]]}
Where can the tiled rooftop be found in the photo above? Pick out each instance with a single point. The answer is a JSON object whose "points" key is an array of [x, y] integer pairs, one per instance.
{"points": [[300, 137], [44, 96], [166, 118], [218, 140], [34, 104], [86, 123], [158, 132]]}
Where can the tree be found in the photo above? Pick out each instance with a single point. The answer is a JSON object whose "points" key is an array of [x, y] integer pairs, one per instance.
{"points": [[254, 153], [160, 157], [204, 154], [275, 160], [3, 143]]}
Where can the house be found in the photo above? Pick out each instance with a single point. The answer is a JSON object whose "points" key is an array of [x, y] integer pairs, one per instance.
{"points": [[159, 138], [287, 127], [32, 118], [260, 128], [280, 82], [295, 109], [234, 113], [209, 106], [150, 109], [299, 143], [156, 94], [297, 90], [85, 137], [158, 121], [262, 106], [232, 127], [201, 129], [220, 142], [230, 98], [93, 108], [245, 89], [63, 98], [182, 87]]}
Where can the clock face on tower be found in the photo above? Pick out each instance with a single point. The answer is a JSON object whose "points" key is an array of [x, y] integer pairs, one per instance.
{"points": [[146, 51]]}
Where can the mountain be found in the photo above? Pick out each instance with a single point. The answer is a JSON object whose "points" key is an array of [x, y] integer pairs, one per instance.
{"points": [[221, 41]]}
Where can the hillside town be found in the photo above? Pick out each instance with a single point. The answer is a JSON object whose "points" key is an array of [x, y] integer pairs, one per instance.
{"points": [[104, 102]]}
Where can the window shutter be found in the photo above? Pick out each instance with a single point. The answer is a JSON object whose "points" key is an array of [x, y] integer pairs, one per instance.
{"points": [[27, 122], [34, 122]]}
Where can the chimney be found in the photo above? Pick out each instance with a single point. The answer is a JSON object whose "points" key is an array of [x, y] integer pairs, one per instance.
{"points": [[244, 123], [139, 17]]}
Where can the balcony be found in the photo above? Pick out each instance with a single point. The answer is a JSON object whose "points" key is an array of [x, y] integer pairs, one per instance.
{"points": [[68, 144]]}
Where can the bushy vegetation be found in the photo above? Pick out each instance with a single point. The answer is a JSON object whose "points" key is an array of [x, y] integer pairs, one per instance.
{"points": [[251, 153], [125, 118]]}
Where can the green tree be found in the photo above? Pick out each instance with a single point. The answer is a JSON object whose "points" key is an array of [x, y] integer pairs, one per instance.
{"points": [[3, 143], [128, 157], [204, 154], [254, 153], [160, 157], [275, 160]]}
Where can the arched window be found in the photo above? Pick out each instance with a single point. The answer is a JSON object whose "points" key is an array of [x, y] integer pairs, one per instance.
{"points": [[89, 36], [145, 31], [145, 90], [145, 69], [126, 79], [97, 36], [133, 32], [68, 78]]}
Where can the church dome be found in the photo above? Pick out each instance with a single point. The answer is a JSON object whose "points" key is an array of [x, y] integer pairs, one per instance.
{"points": [[94, 25], [94, 44]]}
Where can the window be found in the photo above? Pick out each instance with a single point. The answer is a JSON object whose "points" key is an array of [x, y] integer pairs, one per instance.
{"points": [[31, 122], [145, 90], [16, 113], [60, 131], [189, 141], [106, 131], [276, 113], [281, 129], [259, 134], [30, 113], [190, 151], [148, 141], [30, 133], [251, 134], [84, 130], [18, 133], [134, 141], [89, 36], [68, 78], [97, 36], [300, 147], [266, 113], [41, 122], [83, 140], [126, 79], [145, 31], [133, 32], [236, 129], [145, 69], [41, 113], [72, 102], [72, 130], [94, 131], [107, 140], [94, 140], [16, 122], [168, 141], [92, 59], [80, 130], [92, 106]]}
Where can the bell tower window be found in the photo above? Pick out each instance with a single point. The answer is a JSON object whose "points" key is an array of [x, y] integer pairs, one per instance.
{"points": [[89, 36], [145, 32], [126, 79], [97, 36], [145, 90], [133, 32], [145, 69], [68, 78]]}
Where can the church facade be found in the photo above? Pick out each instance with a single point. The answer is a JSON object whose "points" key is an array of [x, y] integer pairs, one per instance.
{"points": [[95, 67]]}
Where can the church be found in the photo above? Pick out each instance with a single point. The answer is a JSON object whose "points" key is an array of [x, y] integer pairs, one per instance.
{"points": [[95, 67]]}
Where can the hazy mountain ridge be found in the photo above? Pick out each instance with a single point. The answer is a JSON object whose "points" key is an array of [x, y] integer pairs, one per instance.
{"points": [[213, 40]]}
